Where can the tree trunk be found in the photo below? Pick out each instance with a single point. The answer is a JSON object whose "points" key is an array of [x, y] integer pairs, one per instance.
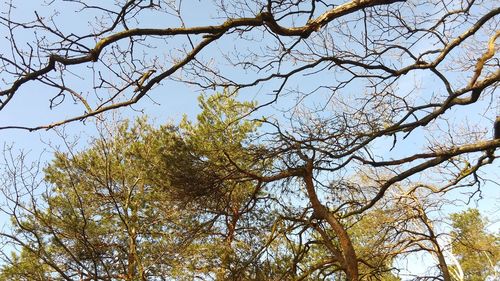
{"points": [[350, 262]]}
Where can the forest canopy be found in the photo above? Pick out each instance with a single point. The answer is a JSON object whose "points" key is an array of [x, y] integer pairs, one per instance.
{"points": [[210, 200], [335, 140]]}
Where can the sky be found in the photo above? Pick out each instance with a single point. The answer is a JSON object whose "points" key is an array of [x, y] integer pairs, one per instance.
{"points": [[167, 104]]}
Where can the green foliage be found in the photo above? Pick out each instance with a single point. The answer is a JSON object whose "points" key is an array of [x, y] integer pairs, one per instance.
{"points": [[221, 124], [202, 154], [144, 202], [103, 213], [25, 267], [370, 238], [478, 251]]}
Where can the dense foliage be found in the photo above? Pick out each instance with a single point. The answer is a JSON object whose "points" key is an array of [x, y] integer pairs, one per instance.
{"points": [[193, 202]]}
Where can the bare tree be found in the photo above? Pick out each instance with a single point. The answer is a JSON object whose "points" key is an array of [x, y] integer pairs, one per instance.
{"points": [[367, 94], [367, 45]]}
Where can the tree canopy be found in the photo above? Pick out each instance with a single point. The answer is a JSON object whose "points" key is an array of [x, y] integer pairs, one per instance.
{"points": [[331, 139], [478, 251], [201, 200], [371, 47]]}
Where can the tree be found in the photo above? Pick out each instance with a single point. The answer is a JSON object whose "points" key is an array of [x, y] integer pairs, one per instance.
{"points": [[25, 267], [110, 213], [371, 44], [477, 250], [99, 215], [362, 100], [143, 203]]}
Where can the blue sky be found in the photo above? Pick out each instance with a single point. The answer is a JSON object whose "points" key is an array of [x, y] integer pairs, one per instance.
{"points": [[172, 100]]}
